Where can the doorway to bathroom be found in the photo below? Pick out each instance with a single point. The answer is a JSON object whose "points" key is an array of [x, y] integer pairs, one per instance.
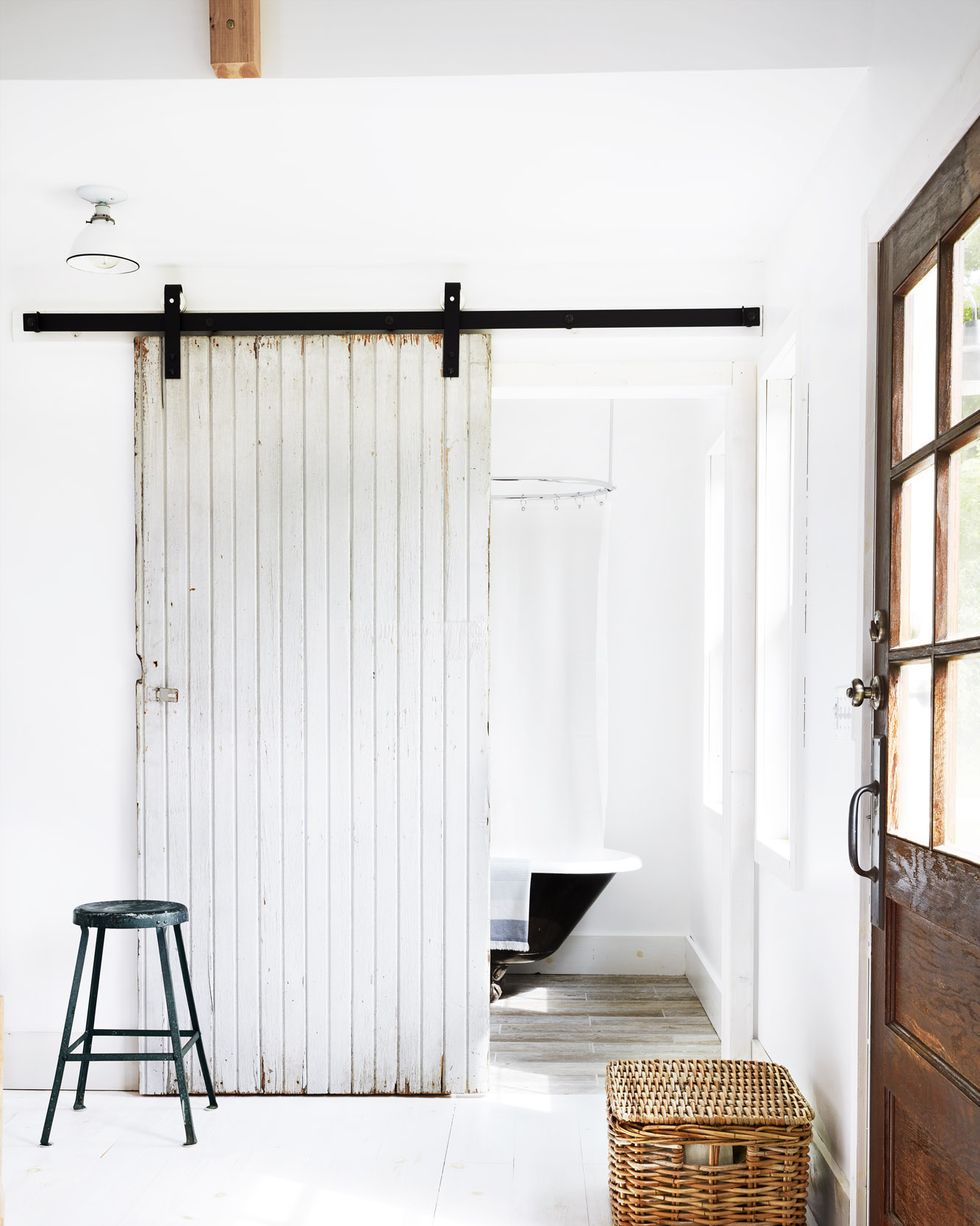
{"points": [[611, 633]]}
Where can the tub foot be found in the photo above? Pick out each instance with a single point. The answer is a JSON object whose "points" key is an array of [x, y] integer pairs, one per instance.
{"points": [[496, 974]]}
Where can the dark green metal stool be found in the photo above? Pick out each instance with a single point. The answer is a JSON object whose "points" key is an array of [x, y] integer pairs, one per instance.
{"points": [[132, 913]]}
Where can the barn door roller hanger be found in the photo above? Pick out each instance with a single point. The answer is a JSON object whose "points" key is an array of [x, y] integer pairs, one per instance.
{"points": [[174, 322]]}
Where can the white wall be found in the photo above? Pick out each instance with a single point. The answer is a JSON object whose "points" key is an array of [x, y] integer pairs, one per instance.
{"points": [[918, 99], [67, 715], [655, 597]]}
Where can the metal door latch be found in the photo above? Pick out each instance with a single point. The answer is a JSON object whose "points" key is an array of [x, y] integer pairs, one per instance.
{"points": [[164, 693], [874, 692]]}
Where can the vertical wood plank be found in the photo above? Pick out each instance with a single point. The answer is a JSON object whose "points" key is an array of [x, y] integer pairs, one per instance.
{"points": [[246, 633], [224, 678], [151, 644], [433, 722], [363, 712], [271, 1079], [178, 873], [410, 715], [316, 682], [339, 683], [293, 717], [386, 939], [456, 821], [198, 696]]}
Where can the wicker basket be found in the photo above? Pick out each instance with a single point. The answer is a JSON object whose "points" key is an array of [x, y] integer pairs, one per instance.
{"points": [[752, 1129]]}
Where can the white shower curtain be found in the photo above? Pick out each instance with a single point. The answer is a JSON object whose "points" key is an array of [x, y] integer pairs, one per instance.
{"points": [[547, 678]]}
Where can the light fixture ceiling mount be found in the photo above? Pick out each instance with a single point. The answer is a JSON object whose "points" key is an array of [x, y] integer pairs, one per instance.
{"points": [[100, 244]]}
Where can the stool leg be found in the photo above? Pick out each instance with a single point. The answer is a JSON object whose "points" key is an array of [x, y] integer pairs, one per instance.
{"points": [[93, 996], [65, 1037], [195, 1025], [168, 991]]}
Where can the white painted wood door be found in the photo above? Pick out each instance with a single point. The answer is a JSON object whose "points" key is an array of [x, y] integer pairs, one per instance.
{"points": [[313, 518]]}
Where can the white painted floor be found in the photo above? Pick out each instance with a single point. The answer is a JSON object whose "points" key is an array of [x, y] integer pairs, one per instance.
{"points": [[512, 1158], [532, 1153]]}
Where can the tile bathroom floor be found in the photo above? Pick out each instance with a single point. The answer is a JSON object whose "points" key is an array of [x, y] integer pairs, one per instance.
{"points": [[530, 1153], [554, 1033]]}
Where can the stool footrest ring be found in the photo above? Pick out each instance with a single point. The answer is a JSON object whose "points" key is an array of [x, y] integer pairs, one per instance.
{"points": [[192, 1037]]}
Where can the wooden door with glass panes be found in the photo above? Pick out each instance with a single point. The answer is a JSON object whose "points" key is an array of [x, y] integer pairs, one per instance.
{"points": [[925, 1024]]}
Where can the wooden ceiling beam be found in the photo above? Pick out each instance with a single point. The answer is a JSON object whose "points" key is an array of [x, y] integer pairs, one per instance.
{"points": [[235, 38]]}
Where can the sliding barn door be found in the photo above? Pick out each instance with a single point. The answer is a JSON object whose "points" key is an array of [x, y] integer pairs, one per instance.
{"points": [[312, 622]]}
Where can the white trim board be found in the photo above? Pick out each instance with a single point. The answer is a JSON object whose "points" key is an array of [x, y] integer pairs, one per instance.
{"points": [[737, 969], [704, 980], [613, 953]]}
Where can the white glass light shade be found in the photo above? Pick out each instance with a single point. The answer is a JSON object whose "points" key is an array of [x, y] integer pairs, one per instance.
{"points": [[98, 247]]}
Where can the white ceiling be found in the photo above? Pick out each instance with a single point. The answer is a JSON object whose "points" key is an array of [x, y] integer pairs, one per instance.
{"points": [[131, 39], [631, 168]]}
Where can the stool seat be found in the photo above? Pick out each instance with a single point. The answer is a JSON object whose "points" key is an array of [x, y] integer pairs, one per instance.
{"points": [[130, 913]]}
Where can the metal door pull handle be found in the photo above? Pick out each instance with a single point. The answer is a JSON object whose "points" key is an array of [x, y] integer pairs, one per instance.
{"points": [[852, 831]]}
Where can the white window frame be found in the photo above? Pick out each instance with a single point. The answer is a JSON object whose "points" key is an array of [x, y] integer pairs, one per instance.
{"points": [[712, 751], [777, 834]]}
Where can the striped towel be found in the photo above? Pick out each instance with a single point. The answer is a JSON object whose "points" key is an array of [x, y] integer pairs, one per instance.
{"points": [[510, 903]]}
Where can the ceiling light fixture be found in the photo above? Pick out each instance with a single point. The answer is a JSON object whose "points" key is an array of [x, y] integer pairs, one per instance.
{"points": [[99, 244]]}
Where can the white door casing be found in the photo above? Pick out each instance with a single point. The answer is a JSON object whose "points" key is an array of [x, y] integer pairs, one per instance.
{"points": [[312, 571]]}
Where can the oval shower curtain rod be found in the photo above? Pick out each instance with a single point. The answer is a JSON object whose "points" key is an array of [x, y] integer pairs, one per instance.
{"points": [[580, 488], [173, 323]]}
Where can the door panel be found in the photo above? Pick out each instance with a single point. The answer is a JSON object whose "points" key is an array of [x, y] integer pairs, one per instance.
{"points": [[312, 621], [927, 957], [925, 1056], [930, 1185]]}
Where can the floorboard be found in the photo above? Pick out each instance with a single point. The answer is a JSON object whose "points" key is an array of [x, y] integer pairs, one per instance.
{"points": [[553, 1034], [530, 1153]]}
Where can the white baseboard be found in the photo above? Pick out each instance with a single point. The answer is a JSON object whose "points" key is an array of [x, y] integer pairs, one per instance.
{"points": [[829, 1195], [828, 1200], [705, 982], [615, 953], [29, 1058]]}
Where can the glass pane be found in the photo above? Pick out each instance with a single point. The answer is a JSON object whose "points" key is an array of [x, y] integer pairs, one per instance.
{"points": [[919, 364], [913, 543], [963, 543], [965, 386], [910, 751], [958, 830]]}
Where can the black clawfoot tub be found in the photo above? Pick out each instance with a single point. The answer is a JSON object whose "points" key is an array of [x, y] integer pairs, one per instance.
{"points": [[561, 893]]}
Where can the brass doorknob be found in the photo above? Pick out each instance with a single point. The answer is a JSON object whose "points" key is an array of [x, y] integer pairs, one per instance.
{"points": [[873, 692]]}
